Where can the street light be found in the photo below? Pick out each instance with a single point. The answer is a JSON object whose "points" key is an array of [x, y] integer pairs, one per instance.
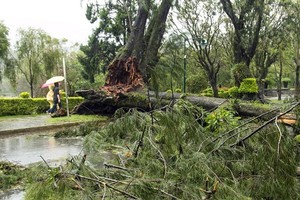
{"points": [[184, 66], [203, 43]]}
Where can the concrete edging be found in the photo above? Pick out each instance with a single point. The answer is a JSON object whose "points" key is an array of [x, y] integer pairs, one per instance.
{"points": [[38, 128]]}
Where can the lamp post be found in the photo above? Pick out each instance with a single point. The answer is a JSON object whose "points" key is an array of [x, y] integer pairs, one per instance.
{"points": [[184, 66]]}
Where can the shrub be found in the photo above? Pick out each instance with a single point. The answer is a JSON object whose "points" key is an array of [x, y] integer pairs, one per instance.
{"points": [[178, 90], [23, 106], [207, 92], [24, 95], [234, 92], [248, 86], [196, 83]]}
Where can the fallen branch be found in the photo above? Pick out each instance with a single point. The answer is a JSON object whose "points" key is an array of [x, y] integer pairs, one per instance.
{"points": [[115, 166], [262, 126], [161, 155], [104, 184], [230, 131]]}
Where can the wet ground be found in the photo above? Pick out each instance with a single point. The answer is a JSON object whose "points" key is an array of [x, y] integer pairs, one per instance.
{"points": [[27, 149], [23, 124], [29, 139]]}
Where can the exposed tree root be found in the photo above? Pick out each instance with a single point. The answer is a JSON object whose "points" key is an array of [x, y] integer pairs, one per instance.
{"points": [[123, 76]]}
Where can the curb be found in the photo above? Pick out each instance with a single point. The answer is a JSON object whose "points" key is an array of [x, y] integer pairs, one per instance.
{"points": [[38, 128]]}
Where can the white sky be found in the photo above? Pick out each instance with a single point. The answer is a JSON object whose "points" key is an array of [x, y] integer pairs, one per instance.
{"points": [[58, 18]]}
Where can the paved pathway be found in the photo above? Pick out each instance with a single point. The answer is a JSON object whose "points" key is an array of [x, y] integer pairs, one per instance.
{"points": [[30, 123]]}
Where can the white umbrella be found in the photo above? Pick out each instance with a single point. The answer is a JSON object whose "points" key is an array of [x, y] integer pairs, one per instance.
{"points": [[54, 79]]}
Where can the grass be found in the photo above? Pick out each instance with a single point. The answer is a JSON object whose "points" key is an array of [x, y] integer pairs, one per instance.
{"points": [[77, 118]]}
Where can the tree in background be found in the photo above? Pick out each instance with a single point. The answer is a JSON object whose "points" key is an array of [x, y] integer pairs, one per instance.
{"points": [[4, 45], [293, 10], [202, 21], [114, 24], [91, 59], [37, 53], [272, 42], [246, 18]]}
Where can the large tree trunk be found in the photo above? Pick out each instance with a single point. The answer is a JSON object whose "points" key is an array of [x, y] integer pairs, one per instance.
{"points": [[96, 103], [128, 71]]}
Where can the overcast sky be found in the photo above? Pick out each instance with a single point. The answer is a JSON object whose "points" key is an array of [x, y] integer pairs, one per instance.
{"points": [[58, 18]]}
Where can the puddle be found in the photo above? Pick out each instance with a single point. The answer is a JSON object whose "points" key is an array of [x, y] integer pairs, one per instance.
{"points": [[13, 195], [27, 149]]}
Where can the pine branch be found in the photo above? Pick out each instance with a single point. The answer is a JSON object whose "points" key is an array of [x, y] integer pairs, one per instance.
{"points": [[161, 155], [262, 126], [104, 185], [230, 131]]}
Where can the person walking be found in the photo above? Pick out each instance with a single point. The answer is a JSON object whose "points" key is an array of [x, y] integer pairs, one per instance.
{"points": [[56, 99], [49, 97]]}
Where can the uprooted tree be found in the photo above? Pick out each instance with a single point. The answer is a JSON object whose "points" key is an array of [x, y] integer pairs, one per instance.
{"points": [[130, 70]]}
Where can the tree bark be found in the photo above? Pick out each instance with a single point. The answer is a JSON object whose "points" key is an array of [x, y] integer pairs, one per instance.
{"points": [[96, 103]]}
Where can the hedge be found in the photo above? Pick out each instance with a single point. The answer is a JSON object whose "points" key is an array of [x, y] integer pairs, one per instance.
{"points": [[23, 106]]}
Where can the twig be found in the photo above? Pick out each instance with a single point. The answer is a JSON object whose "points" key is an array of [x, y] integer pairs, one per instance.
{"points": [[105, 184], [262, 126], [168, 194], [161, 155], [279, 140], [45, 162], [104, 193], [115, 166], [140, 143]]}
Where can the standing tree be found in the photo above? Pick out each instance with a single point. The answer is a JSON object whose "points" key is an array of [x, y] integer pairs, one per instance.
{"points": [[272, 43], [293, 9], [246, 18], [203, 22], [4, 45], [91, 58], [36, 51]]}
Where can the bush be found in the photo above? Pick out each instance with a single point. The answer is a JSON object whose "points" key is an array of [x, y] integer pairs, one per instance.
{"points": [[21, 106], [207, 92], [223, 93], [24, 95], [234, 92], [248, 86], [196, 83], [178, 90]]}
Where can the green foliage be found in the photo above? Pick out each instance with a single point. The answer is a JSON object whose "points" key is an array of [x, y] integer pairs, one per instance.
{"points": [[234, 92], [31, 48], [28, 106], [17, 106], [221, 120], [248, 86], [24, 95], [82, 130], [10, 175], [223, 93], [207, 92], [178, 90], [286, 79], [161, 154], [4, 42], [196, 83]]}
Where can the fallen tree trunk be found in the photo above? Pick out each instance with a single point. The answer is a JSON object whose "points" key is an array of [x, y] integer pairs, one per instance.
{"points": [[100, 103]]}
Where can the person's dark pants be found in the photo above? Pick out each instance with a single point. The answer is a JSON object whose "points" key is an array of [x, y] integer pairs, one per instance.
{"points": [[54, 107]]}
